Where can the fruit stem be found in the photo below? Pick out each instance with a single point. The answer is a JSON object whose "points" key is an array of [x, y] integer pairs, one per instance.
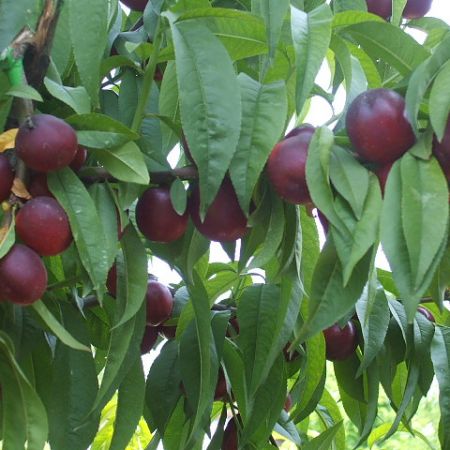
{"points": [[148, 80]]}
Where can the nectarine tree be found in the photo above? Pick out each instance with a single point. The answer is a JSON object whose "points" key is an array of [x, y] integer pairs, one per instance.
{"points": [[189, 143]]}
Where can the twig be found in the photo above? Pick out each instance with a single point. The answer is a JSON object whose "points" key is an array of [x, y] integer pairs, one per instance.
{"points": [[94, 174], [37, 57]]}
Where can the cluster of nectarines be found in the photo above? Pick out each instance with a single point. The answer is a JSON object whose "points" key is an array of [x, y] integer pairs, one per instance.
{"points": [[414, 9], [44, 143]]}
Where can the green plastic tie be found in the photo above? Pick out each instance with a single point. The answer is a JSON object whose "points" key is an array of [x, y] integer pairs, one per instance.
{"points": [[13, 66]]}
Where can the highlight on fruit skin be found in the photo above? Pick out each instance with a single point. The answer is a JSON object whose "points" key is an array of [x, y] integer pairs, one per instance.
{"points": [[224, 221], [156, 217], [377, 126], [46, 143], [43, 225], [23, 276]]}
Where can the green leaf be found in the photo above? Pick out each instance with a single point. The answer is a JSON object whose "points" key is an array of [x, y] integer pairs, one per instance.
{"points": [[61, 51], [124, 346], [242, 34], [317, 175], [311, 34], [76, 97], [423, 331], [330, 414], [234, 366], [129, 406], [273, 15], [440, 101], [422, 78], [198, 355], [24, 417], [360, 229], [169, 107], [347, 18], [14, 16], [262, 313], [163, 386], [99, 131], [85, 224], [350, 179], [373, 313], [264, 110], [389, 43], [416, 190], [8, 239], [84, 32], [132, 280], [211, 117], [56, 328], [373, 388], [178, 196], [324, 440], [267, 231], [440, 354], [103, 198], [312, 379], [73, 389], [25, 91], [126, 163], [330, 300], [268, 402]]}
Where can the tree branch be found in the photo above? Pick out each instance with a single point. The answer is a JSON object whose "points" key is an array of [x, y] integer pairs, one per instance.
{"points": [[92, 175]]}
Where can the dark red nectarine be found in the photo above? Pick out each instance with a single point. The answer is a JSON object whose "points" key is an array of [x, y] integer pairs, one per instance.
{"points": [[427, 313], [6, 178], [382, 8], [377, 126], [415, 9], [159, 303], [23, 276], [136, 5], [149, 339], [340, 342], [442, 150], [111, 280], [79, 159], [46, 143], [156, 217], [221, 387], [382, 173], [42, 224], [230, 436], [286, 166], [38, 186], [288, 403], [224, 220]]}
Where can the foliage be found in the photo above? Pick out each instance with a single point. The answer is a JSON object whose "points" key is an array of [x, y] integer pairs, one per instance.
{"points": [[222, 82]]}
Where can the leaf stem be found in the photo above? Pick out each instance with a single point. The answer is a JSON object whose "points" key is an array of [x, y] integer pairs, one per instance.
{"points": [[148, 80]]}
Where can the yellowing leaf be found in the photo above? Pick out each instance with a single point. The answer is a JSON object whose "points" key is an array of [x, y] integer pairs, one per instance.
{"points": [[7, 139], [19, 189]]}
